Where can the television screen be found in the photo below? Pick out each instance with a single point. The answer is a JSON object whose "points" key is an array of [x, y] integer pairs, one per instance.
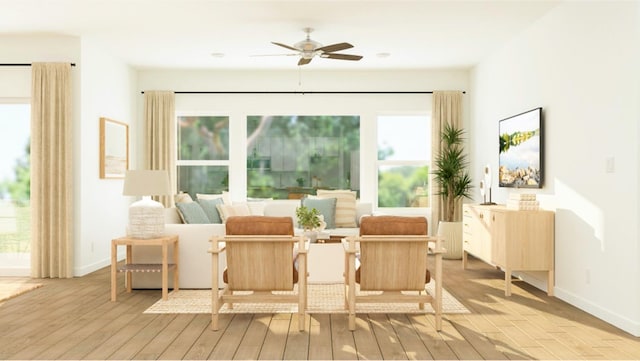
{"points": [[521, 142]]}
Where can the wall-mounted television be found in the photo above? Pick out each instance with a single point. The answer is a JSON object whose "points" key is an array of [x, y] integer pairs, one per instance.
{"points": [[521, 150]]}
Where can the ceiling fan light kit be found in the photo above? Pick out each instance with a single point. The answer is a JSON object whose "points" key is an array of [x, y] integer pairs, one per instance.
{"points": [[308, 49]]}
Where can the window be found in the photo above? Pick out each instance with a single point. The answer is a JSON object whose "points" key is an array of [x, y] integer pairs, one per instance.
{"points": [[15, 169], [291, 156], [404, 152], [203, 154]]}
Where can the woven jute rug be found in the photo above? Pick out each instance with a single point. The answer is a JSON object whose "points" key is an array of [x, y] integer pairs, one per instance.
{"points": [[14, 286], [323, 298]]}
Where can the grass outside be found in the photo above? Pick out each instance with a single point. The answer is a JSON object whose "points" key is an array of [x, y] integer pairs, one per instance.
{"points": [[15, 228]]}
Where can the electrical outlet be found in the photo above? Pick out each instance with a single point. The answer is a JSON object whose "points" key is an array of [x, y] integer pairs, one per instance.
{"points": [[610, 165]]}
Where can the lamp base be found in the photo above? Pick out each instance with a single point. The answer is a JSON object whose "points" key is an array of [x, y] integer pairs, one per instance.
{"points": [[146, 219]]}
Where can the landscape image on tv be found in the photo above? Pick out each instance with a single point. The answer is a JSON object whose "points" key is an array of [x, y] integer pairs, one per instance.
{"points": [[520, 156]]}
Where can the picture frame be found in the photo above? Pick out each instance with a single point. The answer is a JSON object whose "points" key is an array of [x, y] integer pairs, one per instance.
{"points": [[114, 148]]}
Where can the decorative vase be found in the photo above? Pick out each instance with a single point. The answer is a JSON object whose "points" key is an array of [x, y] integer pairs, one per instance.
{"points": [[451, 232]]}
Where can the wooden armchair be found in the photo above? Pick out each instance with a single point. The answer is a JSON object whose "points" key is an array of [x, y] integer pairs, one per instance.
{"points": [[260, 258], [392, 256]]}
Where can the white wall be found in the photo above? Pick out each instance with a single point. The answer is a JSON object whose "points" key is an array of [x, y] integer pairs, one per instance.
{"points": [[368, 106], [107, 90], [580, 63], [102, 86]]}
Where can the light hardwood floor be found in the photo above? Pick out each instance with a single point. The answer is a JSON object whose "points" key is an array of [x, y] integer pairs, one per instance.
{"points": [[75, 319]]}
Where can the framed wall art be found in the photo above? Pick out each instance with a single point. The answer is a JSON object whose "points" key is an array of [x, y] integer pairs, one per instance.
{"points": [[114, 148]]}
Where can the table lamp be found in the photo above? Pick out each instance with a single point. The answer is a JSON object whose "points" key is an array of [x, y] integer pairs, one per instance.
{"points": [[146, 216]]}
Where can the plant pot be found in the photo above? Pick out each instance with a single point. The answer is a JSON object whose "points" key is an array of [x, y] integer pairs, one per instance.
{"points": [[312, 236], [451, 232]]}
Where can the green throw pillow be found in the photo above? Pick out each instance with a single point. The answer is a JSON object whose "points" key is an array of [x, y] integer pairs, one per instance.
{"points": [[326, 207], [209, 207], [192, 213]]}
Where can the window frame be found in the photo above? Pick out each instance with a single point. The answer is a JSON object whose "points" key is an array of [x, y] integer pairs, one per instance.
{"points": [[199, 162]]}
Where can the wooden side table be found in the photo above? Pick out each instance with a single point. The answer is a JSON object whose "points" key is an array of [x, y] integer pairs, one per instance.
{"points": [[128, 268]]}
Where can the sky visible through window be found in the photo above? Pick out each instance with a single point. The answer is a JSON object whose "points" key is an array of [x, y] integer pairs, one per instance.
{"points": [[15, 122], [396, 131]]}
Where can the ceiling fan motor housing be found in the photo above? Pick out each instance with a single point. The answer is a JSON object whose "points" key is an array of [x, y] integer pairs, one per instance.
{"points": [[307, 48]]}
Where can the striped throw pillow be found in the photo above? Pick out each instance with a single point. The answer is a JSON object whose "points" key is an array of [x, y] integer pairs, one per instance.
{"points": [[345, 206]]}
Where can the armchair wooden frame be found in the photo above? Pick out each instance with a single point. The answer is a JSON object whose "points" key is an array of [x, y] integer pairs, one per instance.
{"points": [[392, 264], [262, 264]]}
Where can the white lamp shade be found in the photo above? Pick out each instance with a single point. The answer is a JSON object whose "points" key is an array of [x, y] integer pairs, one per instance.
{"points": [[146, 183]]}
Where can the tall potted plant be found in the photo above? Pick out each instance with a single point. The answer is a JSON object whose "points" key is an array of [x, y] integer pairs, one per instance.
{"points": [[452, 175]]}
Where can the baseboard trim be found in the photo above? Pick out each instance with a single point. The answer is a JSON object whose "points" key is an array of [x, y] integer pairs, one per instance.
{"points": [[15, 272], [615, 319], [86, 269]]}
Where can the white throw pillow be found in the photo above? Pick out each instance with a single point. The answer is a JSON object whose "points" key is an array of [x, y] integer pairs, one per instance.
{"points": [[230, 210], [256, 208], [226, 197], [345, 206], [182, 198]]}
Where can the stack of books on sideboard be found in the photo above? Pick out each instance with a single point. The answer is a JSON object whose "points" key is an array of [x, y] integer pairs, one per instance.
{"points": [[523, 202]]}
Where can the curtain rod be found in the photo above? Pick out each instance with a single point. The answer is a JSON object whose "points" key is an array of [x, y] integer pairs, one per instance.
{"points": [[304, 92], [23, 64]]}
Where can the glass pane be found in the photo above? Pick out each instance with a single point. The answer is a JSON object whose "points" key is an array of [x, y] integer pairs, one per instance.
{"points": [[403, 186], [404, 137], [203, 179], [290, 156], [203, 138], [15, 210]]}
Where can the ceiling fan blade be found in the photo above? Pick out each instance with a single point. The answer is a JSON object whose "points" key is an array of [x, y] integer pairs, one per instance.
{"points": [[285, 46], [303, 61], [341, 56], [334, 47]]}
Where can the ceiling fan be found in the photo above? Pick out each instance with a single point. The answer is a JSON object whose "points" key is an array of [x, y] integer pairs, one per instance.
{"points": [[308, 49]]}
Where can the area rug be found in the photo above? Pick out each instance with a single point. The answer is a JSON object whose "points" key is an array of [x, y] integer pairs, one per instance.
{"points": [[14, 286], [323, 298]]}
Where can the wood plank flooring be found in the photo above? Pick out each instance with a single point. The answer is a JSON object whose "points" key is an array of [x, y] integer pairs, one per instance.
{"points": [[75, 319]]}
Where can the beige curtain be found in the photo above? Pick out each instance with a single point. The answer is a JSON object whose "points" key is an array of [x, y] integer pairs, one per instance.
{"points": [[51, 171], [447, 108], [159, 135]]}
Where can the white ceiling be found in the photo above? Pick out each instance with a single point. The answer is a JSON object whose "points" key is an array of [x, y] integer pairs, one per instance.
{"points": [[184, 33]]}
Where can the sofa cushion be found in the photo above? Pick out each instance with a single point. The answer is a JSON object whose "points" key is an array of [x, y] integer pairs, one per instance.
{"points": [[345, 206], [326, 207], [192, 212], [210, 209]]}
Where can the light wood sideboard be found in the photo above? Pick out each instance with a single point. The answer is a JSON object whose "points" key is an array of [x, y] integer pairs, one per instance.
{"points": [[513, 240]]}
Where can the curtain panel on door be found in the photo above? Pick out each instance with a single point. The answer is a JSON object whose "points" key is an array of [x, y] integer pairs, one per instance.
{"points": [[51, 171]]}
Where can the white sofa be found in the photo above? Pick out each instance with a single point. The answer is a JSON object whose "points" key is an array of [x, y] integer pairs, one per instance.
{"points": [[325, 262]]}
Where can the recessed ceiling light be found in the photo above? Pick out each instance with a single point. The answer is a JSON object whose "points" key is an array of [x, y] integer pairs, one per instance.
{"points": [[217, 55], [383, 55]]}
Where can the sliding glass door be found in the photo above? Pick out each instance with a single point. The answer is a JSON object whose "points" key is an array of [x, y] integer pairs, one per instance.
{"points": [[15, 211]]}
